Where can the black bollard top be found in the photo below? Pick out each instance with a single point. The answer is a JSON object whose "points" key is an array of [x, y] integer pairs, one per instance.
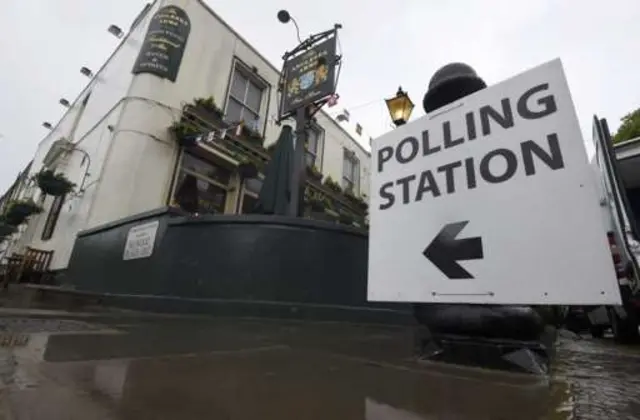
{"points": [[450, 83]]}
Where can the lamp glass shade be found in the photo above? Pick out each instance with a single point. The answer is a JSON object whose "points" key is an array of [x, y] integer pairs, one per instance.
{"points": [[400, 108]]}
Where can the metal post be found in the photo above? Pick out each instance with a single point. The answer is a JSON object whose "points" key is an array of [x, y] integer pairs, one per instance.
{"points": [[298, 172]]}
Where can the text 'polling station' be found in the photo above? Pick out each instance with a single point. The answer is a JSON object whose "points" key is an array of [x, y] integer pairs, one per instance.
{"points": [[527, 155]]}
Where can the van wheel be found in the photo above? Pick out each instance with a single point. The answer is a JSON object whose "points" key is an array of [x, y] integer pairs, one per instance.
{"points": [[624, 330], [597, 331]]}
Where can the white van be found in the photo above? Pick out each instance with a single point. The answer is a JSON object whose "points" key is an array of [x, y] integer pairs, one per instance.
{"points": [[617, 168]]}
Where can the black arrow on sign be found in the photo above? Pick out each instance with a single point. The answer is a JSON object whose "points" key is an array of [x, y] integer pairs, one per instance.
{"points": [[445, 250]]}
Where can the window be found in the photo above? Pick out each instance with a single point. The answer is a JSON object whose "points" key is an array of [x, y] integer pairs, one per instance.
{"points": [[350, 172], [201, 186], [252, 188], [52, 217], [245, 97], [314, 147]]}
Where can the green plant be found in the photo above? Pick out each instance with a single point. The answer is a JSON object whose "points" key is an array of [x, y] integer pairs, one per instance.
{"points": [[316, 204], [350, 195], [332, 185], [208, 104], [364, 206], [184, 132], [252, 135], [316, 200], [630, 127], [51, 183], [19, 210], [314, 173]]}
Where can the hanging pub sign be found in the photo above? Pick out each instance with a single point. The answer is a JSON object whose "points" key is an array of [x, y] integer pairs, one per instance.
{"points": [[309, 76], [163, 46]]}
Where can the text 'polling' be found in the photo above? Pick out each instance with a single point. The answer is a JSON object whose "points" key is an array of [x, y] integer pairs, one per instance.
{"points": [[527, 155]]}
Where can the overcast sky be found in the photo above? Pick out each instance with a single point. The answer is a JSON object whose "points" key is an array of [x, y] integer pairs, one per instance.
{"points": [[385, 44]]}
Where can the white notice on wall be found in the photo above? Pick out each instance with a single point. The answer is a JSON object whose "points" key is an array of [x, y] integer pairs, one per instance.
{"points": [[490, 200], [140, 241]]}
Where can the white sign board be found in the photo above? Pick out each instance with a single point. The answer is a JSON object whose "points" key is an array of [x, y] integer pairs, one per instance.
{"points": [[490, 200], [140, 241]]}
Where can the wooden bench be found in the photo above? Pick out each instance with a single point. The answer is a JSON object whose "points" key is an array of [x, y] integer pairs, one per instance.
{"points": [[32, 267]]}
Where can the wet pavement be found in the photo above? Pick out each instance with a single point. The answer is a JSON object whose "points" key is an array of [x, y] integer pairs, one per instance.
{"points": [[128, 368]]}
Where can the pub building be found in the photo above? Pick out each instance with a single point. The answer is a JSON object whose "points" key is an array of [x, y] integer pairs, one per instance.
{"points": [[180, 119]]}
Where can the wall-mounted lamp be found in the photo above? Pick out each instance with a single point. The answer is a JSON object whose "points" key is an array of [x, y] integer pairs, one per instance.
{"points": [[64, 102], [86, 71], [47, 125], [115, 31]]}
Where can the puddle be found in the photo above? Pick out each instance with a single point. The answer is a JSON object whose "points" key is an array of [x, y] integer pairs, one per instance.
{"points": [[249, 370]]}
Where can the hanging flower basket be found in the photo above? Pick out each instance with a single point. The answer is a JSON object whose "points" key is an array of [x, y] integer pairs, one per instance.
{"points": [[19, 211], [247, 170], [53, 184]]}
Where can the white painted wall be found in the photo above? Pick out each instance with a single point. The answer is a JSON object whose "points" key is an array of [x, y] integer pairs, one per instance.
{"points": [[108, 90], [124, 127], [338, 139]]}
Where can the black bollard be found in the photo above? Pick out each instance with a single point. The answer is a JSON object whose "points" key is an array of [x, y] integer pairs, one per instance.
{"points": [[492, 336]]}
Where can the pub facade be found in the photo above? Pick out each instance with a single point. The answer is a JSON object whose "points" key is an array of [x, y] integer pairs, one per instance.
{"points": [[181, 115]]}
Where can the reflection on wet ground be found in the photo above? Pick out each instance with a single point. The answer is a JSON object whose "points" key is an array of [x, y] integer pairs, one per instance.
{"points": [[604, 378], [223, 369]]}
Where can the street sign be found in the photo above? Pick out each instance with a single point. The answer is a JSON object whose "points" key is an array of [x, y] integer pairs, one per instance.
{"points": [[490, 200]]}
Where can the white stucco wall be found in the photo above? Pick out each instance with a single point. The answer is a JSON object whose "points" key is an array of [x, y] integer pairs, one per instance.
{"points": [[338, 138], [108, 89]]}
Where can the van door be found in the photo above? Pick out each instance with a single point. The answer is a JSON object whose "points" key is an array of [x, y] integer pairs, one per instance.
{"points": [[625, 229]]}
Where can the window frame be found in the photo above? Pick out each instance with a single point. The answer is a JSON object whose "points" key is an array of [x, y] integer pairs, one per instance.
{"points": [[249, 193], [201, 176], [348, 155], [319, 153], [215, 161], [53, 216], [264, 86]]}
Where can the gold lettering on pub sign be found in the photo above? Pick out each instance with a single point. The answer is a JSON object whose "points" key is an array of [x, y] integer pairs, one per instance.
{"points": [[164, 44]]}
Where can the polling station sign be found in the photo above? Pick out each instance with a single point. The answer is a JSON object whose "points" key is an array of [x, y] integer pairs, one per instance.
{"points": [[490, 200]]}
